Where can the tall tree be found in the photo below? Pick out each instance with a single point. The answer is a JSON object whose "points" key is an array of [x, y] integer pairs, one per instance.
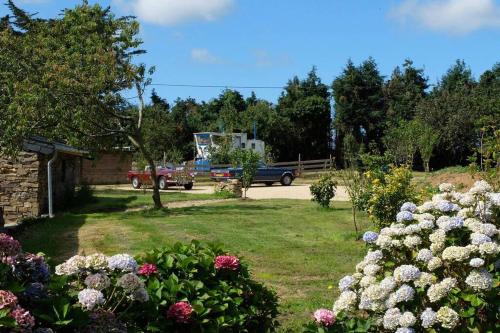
{"points": [[450, 111], [359, 104], [403, 91], [63, 78], [306, 104], [232, 106]]}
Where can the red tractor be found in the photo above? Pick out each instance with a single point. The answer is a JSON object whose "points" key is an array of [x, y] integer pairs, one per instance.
{"points": [[167, 176]]}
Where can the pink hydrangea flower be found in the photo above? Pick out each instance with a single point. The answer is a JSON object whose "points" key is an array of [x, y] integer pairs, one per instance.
{"points": [[7, 299], [324, 317], [181, 312], [8, 246], [231, 263], [147, 269], [23, 317]]}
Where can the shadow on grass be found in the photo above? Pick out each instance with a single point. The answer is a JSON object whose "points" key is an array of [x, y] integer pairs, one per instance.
{"points": [[104, 205], [56, 237], [204, 210]]}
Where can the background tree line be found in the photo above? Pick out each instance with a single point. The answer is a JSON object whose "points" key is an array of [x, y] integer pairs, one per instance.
{"points": [[64, 78], [402, 115]]}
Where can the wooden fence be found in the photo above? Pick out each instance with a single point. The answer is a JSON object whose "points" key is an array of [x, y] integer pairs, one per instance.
{"points": [[299, 165]]}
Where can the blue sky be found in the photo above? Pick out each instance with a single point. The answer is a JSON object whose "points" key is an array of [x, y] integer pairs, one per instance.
{"points": [[266, 42]]}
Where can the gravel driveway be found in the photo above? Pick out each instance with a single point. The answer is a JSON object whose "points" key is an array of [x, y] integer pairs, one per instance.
{"points": [[257, 191]]}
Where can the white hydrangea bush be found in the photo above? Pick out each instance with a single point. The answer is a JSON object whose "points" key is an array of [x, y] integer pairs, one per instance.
{"points": [[435, 269], [103, 283]]}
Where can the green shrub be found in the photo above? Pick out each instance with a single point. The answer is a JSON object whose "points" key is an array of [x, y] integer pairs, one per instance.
{"points": [[388, 193], [323, 190], [183, 288], [222, 300]]}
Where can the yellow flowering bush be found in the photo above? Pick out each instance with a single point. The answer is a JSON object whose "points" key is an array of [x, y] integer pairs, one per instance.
{"points": [[388, 193]]}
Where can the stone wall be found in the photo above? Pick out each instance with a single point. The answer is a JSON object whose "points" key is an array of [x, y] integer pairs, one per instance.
{"points": [[107, 168], [232, 186], [24, 189], [19, 187]]}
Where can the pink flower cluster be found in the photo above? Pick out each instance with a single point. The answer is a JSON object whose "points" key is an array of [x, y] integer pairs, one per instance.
{"points": [[8, 246], [147, 269], [324, 317], [181, 312], [230, 263], [7, 299], [23, 317]]}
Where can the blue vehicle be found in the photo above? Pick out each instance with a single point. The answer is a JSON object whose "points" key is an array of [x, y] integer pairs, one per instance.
{"points": [[265, 174]]}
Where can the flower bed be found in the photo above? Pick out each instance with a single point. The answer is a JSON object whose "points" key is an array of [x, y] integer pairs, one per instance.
{"points": [[185, 288], [435, 269]]}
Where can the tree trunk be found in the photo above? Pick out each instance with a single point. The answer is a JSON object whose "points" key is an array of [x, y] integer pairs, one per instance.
{"points": [[354, 219], [426, 165], [138, 143], [156, 188]]}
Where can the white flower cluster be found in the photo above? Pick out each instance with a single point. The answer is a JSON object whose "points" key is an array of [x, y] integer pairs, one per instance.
{"points": [[90, 298], [122, 262], [100, 275], [434, 250], [95, 263]]}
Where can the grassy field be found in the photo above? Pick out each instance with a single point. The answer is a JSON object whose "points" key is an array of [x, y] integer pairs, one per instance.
{"points": [[119, 200], [293, 246]]}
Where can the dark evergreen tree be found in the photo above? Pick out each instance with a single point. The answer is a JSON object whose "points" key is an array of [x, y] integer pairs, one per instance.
{"points": [[403, 91], [451, 112], [306, 106], [359, 104]]}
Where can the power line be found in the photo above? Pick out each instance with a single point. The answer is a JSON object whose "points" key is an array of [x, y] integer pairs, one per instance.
{"points": [[215, 86]]}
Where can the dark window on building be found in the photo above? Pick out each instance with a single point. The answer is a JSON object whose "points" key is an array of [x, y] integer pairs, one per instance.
{"points": [[243, 145], [253, 145]]}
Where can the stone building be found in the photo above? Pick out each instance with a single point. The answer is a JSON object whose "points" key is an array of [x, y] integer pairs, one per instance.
{"points": [[109, 167], [24, 187]]}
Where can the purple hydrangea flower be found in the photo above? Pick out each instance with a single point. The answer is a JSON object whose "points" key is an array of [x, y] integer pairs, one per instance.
{"points": [[370, 237], [122, 262], [409, 207], [444, 206], [404, 216]]}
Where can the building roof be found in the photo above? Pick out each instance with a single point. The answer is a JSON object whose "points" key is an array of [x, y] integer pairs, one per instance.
{"points": [[43, 146]]}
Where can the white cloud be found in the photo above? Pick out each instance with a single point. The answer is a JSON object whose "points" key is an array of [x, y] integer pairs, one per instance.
{"points": [[203, 56], [450, 16], [173, 12], [262, 58]]}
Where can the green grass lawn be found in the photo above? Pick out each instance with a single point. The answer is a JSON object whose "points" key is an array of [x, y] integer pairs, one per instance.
{"points": [[293, 246], [119, 200]]}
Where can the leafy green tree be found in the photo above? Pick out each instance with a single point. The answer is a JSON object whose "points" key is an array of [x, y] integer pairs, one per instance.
{"points": [[401, 142], [275, 129], [232, 107], [222, 151], [248, 160], [403, 91], [426, 141], [359, 104], [63, 79], [451, 112], [306, 105]]}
